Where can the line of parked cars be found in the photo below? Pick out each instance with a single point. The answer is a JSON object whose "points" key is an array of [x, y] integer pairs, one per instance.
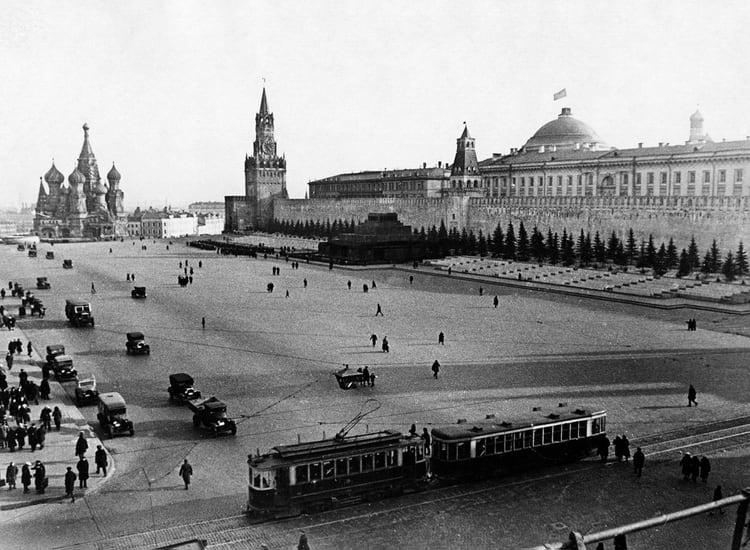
{"points": [[210, 413]]}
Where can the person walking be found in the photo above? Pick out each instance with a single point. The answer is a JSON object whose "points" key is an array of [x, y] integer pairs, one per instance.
{"points": [[638, 460], [26, 476], [379, 312], [603, 449], [186, 471], [83, 472], [10, 475], [40, 477], [366, 376], [29, 349], [93, 291], [349, 284], [496, 301], [100, 459], [374, 339], [705, 468], [57, 417], [695, 468], [685, 466], [9, 361], [435, 369], [203, 322], [302, 544], [385, 345], [44, 389], [441, 339], [81, 445], [625, 447], [692, 394], [70, 484], [718, 495]]}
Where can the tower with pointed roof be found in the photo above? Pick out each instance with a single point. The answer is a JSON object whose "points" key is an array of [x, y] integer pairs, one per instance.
{"points": [[465, 174], [265, 170]]}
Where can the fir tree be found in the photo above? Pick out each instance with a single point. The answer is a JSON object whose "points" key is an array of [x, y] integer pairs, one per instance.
{"points": [[706, 265], [621, 258], [498, 242], [537, 245], [641, 263], [741, 261], [523, 244], [471, 243], [463, 242], [600, 252], [433, 245], [729, 268], [684, 269], [613, 244], [443, 240], [631, 249], [650, 252], [693, 254], [581, 248], [510, 243], [672, 257], [568, 250], [482, 245], [660, 265], [715, 257], [554, 249]]}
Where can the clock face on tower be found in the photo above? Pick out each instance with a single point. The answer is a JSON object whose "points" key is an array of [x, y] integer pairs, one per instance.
{"points": [[268, 146]]}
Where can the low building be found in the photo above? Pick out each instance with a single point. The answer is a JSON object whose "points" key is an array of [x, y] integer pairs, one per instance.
{"points": [[211, 223], [165, 224], [206, 207]]}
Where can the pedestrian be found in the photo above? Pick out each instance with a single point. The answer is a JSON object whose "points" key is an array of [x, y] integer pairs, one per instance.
{"points": [[127, 276], [705, 468], [81, 445], [435, 369], [44, 389], [10, 475], [366, 376], [638, 460], [496, 301], [186, 471], [379, 311], [287, 293], [617, 444], [625, 447], [70, 484], [441, 339], [372, 379], [695, 468], [29, 348], [302, 544], [374, 286], [364, 288], [374, 339], [200, 264], [481, 291], [9, 360], [57, 417], [385, 346], [23, 378], [304, 283], [349, 284], [411, 279], [692, 394], [41, 434], [31, 434], [93, 289], [10, 439], [40, 477], [413, 431], [203, 322], [26, 476], [100, 458], [603, 449], [685, 466], [83, 472], [718, 495]]}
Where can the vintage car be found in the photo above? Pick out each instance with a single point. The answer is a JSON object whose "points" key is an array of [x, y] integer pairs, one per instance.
{"points": [[62, 366], [67, 264], [35, 306], [54, 350], [212, 414], [79, 313], [348, 379], [42, 283], [136, 344], [138, 292], [112, 415], [86, 392], [50, 255], [181, 387], [32, 253], [20, 248]]}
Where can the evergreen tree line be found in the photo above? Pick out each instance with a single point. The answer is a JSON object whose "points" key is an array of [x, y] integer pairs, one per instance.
{"points": [[553, 248]]}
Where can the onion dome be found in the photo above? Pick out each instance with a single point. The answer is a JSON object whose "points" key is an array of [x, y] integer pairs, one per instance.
{"points": [[696, 116], [76, 177], [565, 132], [100, 188], [113, 174], [54, 176]]}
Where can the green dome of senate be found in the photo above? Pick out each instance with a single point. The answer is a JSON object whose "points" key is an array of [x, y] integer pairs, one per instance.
{"points": [[565, 132]]}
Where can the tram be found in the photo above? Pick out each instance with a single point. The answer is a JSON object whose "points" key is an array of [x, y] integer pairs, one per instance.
{"points": [[491, 447]]}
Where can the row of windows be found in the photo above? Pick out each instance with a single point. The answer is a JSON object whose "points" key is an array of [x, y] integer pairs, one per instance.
{"points": [[516, 441], [342, 467]]}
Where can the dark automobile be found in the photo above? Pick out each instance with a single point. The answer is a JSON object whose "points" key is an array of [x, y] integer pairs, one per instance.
{"points": [[20, 248], [79, 313], [212, 414], [136, 344], [181, 387], [50, 255], [138, 292], [62, 366], [86, 391], [54, 350], [112, 415], [42, 283], [67, 264]]}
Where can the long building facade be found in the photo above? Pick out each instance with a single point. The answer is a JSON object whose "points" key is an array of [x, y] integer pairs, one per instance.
{"points": [[85, 207]]}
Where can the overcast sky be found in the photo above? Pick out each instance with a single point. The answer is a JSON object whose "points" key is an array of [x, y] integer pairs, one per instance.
{"points": [[170, 88]]}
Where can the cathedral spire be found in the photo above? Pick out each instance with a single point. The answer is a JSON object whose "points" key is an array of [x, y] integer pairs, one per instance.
{"points": [[86, 151], [263, 103]]}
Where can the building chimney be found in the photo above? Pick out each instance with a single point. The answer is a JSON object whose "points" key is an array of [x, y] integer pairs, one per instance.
{"points": [[440, 164], [424, 165], [640, 145], [565, 111], [661, 144]]}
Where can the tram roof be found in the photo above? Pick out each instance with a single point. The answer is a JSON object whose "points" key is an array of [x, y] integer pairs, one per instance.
{"points": [[488, 426]]}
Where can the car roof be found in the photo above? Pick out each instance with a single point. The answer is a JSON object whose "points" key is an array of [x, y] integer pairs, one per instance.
{"points": [[181, 378], [63, 357], [112, 399], [135, 336]]}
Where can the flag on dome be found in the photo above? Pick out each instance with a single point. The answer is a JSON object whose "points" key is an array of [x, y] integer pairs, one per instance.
{"points": [[559, 95]]}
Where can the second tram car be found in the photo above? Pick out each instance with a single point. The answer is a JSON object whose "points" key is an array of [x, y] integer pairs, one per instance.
{"points": [[308, 477], [493, 447]]}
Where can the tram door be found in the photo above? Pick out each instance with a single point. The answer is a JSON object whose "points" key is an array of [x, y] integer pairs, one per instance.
{"points": [[282, 486]]}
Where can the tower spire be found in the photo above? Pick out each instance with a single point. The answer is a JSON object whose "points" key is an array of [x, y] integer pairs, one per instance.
{"points": [[263, 103]]}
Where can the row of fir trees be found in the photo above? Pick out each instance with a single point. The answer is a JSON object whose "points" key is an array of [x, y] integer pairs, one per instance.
{"points": [[566, 249]]}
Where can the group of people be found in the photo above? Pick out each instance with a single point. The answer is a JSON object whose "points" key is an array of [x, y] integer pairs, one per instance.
{"points": [[692, 325], [38, 472], [621, 446], [100, 459], [693, 467]]}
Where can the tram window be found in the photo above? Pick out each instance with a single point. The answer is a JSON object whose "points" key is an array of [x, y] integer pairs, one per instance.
{"points": [[603, 420], [391, 458], [340, 466], [420, 452], [463, 450], [452, 451], [328, 469], [548, 435], [574, 430], [490, 443], [557, 433], [508, 442], [582, 429], [566, 432], [380, 460], [354, 465], [256, 481], [268, 480], [527, 438], [595, 426], [443, 451], [301, 474], [537, 437], [367, 463], [518, 437], [315, 471], [481, 447], [499, 444]]}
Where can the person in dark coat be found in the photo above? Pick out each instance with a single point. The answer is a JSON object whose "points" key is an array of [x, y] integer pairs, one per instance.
{"points": [[302, 544], [705, 468], [26, 476], [81, 445], [718, 495], [441, 338], [379, 311], [41, 435], [366, 376], [83, 472], [435, 369], [20, 437], [686, 465], [186, 472], [603, 449], [496, 301], [11, 472], [40, 475], [31, 434], [29, 349], [23, 378], [44, 389], [625, 447], [617, 444], [57, 417], [10, 439], [373, 339], [695, 468], [692, 394], [385, 345], [100, 459], [70, 484], [638, 460]]}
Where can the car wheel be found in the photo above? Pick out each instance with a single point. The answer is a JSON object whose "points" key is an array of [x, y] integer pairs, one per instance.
{"points": [[132, 432], [234, 429]]}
